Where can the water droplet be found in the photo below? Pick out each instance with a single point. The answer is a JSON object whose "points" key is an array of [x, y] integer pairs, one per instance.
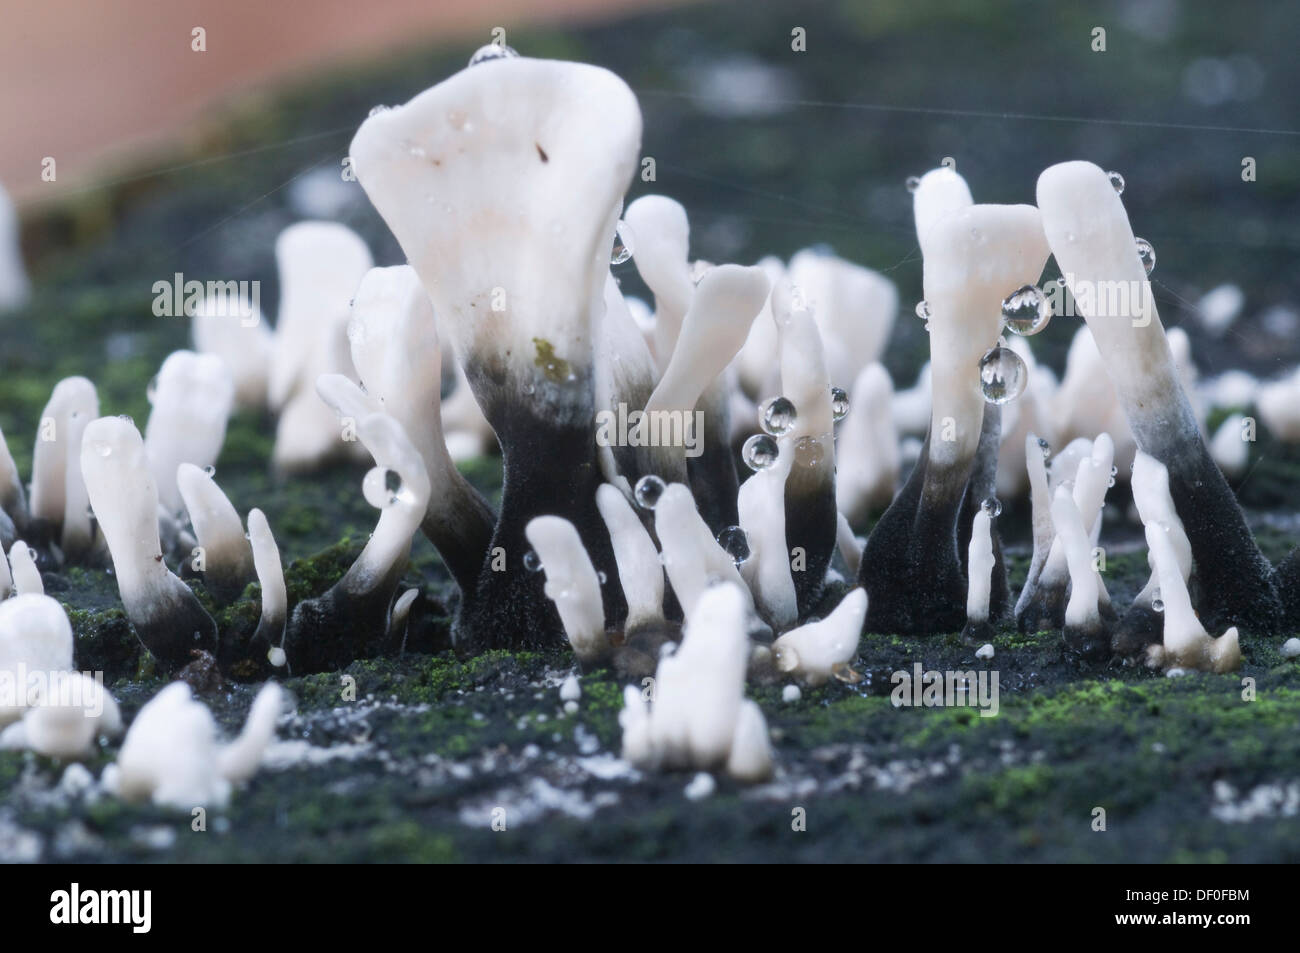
{"points": [[376, 110], [992, 506], [1044, 446], [103, 448], [381, 487], [735, 542], [648, 490], [923, 310], [912, 182], [276, 657], [127, 419], [210, 470], [532, 562], [808, 451], [1147, 254], [600, 575], [1111, 480], [1116, 182], [493, 51], [760, 451], [839, 403], [1157, 605], [1026, 310], [778, 416], [1003, 375], [787, 659], [622, 244]]}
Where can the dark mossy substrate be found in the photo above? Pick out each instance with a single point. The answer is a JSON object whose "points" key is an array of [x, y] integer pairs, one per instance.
{"points": [[432, 744]]}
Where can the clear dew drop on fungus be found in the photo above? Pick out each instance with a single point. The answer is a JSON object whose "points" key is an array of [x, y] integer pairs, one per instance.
{"points": [[1003, 375], [532, 562], [760, 451], [736, 544], [1146, 254], [1026, 310], [381, 487], [922, 310], [623, 247], [992, 506], [1116, 182], [1044, 446], [839, 403], [778, 416], [493, 51], [648, 490], [912, 183], [376, 110]]}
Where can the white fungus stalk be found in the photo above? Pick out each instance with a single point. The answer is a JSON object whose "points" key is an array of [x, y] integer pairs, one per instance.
{"points": [[979, 568], [572, 584], [35, 637], [639, 570], [1040, 499], [1186, 643], [625, 373], [396, 353], [854, 307], [866, 454], [26, 577], [699, 718], [225, 559], [72, 404], [172, 755], [1086, 402], [692, 557], [192, 398], [1090, 235], [819, 650], [1031, 412], [849, 545], [167, 617], [1082, 612], [758, 363], [761, 505], [244, 342], [662, 247], [270, 577]]}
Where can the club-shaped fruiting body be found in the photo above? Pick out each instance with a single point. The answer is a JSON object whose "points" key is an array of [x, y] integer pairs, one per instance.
{"points": [[1089, 233], [1186, 643], [13, 499], [244, 342], [396, 353], [1230, 448], [810, 513], [223, 558], [327, 631], [321, 264], [662, 260], [979, 573], [191, 398], [975, 255], [692, 557], [270, 576], [35, 637], [14, 287], [1082, 621], [1030, 413], [866, 454], [1278, 403], [640, 572], [761, 506], [816, 651], [172, 756], [166, 616], [699, 717], [22, 566], [572, 584], [68, 714], [1086, 402], [503, 184], [58, 497]]}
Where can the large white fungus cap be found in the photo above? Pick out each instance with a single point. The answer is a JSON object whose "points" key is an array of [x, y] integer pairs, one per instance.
{"points": [[502, 184], [571, 583], [699, 717], [192, 398], [172, 756], [817, 650], [35, 637]]}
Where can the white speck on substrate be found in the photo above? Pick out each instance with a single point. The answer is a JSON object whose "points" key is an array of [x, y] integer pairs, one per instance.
{"points": [[1291, 648], [985, 651], [701, 786], [791, 693]]}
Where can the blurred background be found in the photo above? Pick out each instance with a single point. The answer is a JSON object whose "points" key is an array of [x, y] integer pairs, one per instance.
{"points": [[169, 159]]}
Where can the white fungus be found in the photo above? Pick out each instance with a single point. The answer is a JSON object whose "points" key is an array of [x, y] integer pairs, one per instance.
{"points": [[192, 398], [22, 563], [818, 650], [571, 583]]}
